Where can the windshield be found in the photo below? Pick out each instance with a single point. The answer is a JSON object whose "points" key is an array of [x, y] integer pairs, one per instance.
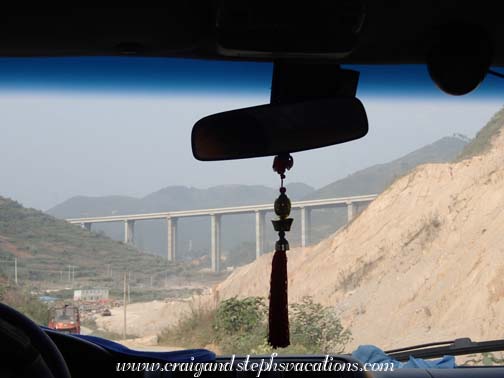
{"points": [[396, 237], [64, 315]]}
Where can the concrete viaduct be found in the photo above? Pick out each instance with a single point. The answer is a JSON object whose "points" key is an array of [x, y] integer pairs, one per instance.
{"points": [[215, 215]]}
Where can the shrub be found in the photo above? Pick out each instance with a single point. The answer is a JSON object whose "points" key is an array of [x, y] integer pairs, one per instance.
{"points": [[239, 326], [239, 315], [317, 328]]}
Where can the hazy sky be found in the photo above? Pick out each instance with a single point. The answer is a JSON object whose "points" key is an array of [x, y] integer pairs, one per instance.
{"points": [[99, 126], [55, 145]]}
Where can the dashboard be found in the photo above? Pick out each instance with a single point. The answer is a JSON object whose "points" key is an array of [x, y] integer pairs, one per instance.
{"points": [[85, 359]]}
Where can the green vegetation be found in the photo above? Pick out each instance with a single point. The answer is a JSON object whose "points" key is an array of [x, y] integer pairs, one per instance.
{"points": [[238, 316], [25, 303], [240, 326], [49, 250], [482, 142], [315, 325], [50, 242]]}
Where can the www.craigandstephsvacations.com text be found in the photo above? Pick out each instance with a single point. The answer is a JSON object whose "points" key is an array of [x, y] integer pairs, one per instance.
{"points": [[255, 364]]}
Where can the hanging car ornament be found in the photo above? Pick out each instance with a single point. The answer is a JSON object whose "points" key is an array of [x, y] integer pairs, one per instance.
{"points": [[278, 320]]}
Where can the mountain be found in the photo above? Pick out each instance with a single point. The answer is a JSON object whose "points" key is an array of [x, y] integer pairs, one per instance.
{"points": [[239, 236], [378, 177], [422, 263], [45, 247], [174, 198]]}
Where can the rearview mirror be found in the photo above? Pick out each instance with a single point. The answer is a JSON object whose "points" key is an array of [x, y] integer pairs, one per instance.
{"points": [[268, 130]]}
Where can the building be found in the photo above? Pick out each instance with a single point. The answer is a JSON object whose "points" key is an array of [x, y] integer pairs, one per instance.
{"points": [[91, 295]]}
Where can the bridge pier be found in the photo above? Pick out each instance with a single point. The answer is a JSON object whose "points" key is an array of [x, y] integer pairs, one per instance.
{"points": [[171, 224], [305, 226], [260, 220], [354, 204], [129, 231], [86, 226], [216, 234], [350, 211]]}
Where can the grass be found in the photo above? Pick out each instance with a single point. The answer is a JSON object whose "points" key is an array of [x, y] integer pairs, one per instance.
{"points": [[197, 329]]}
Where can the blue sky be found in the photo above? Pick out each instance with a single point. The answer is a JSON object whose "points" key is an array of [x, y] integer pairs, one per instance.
{"points": [[102, 126]]}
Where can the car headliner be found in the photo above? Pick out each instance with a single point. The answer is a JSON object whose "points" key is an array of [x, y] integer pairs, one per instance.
{"points": [[394, 31]]}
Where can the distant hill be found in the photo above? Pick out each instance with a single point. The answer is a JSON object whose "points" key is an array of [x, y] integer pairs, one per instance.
{"points": [[238, 237], [175, 198], [378, 177]]}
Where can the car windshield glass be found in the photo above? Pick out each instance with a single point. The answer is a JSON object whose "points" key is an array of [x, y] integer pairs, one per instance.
{"points": [[64, 315], [396, 238]]}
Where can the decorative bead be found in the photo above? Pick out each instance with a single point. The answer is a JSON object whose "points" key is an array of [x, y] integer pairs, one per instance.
{"points": [[282, 206]]}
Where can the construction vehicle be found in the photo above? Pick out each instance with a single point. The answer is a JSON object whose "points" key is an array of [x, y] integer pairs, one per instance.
{"points": [[65, 319]]}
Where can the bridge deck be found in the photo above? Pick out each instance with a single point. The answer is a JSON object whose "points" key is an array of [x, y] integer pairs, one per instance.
{"points": [[343, 201]]}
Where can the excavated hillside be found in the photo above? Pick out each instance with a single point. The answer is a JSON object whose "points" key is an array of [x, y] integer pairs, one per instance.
{"points": [[424, 262]]}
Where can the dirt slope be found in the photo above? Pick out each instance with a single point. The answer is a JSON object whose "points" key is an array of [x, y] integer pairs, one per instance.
{"points": [[145, 318], [424, 262]]}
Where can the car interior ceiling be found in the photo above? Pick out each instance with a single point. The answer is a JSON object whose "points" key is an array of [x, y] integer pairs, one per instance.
{"points": [[374, 33]]}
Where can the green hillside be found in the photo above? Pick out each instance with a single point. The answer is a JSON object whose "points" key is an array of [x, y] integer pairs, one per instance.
{"points": [[52, 252]]}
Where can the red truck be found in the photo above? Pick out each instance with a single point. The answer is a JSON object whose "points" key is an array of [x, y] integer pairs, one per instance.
{"points": [[65, 319]]}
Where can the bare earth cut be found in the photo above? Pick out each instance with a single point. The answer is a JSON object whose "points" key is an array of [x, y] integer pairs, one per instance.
{"points": [[422, 262]]}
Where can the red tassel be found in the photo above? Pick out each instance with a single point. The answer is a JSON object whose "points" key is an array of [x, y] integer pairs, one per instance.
{"points": [[278, 306]]}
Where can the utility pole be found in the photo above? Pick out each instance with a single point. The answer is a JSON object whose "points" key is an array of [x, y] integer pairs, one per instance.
{"points": [[124, 305], [129, 280], [71, 273], [15, 271]]}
